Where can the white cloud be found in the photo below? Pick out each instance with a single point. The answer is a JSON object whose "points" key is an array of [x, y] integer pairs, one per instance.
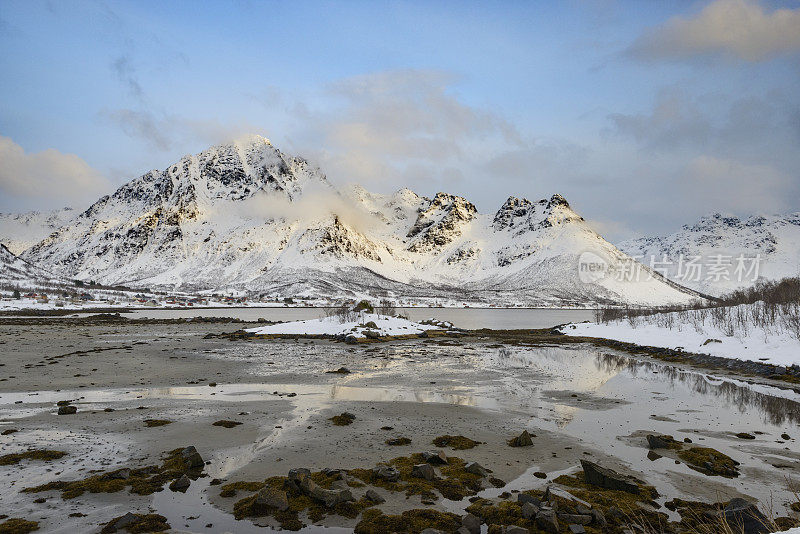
{"points": [[735, 28], [400, 128], [733, 186], [48, 178]]}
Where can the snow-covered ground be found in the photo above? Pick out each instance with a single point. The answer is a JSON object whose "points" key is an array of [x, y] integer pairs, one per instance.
{"points": [[335, 326], [696, 331]]}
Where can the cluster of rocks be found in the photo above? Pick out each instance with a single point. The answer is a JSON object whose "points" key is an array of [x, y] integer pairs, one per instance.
{"points": [[300, 479]]}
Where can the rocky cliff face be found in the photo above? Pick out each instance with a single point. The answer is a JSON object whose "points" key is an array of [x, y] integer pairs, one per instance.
{"points": [[245, 215]]}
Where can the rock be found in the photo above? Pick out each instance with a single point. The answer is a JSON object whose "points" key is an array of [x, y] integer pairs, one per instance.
{"points": [[435, 457], [67, 410], [598, 518], [124, 521], [529, 510], [340, 371], [514, 529], [423, 471], [523, 498], [386, 472], [300, 478], [328, 497], [547, 521], [191, 458], [374, 496], [272, 498], [745, 515], [472, 523], [476, 469], [653, 456], [180, 484], [539, 474], [745, 435], [577, 529], [523, 440], [659, 442], [608, 478], [215, 482], [371, 324], [432, 531], [463, 530], [372, 334], [786, 436], [578, 519], [687, 440]]}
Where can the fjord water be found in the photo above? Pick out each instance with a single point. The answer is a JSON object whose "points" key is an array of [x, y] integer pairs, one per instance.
{"points": [[468, 318]]}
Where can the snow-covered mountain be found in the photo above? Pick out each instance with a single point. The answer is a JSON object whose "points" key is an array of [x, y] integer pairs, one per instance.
{"points": [[244, 215], [16, 272], [20, 231], [732, 252]]}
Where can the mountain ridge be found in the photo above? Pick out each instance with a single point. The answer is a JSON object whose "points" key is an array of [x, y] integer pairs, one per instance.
{"points": [[245, 215]]}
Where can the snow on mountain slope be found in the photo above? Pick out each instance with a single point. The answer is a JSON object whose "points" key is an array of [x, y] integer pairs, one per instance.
{"points": [[732, 253], [20, 231], [15, 272], [246, 216]]}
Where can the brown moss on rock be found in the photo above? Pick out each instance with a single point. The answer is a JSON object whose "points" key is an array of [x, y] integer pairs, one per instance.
{"points": [[710, 462], [299, 502], [44, 455], [156, 422], [140, 523], [410, 522], [455, 482], [141, 481], [343, 419], [230, 490], [15, 525], [458, 443], [398, 441], [226, 423]]}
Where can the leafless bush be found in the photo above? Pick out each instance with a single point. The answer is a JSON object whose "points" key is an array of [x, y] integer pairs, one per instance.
{"points": [[386, 307], [773, 307], [343, 313]]}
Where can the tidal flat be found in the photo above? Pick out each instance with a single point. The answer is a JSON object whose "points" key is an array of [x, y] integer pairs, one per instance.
{"points": [[256, 409]]}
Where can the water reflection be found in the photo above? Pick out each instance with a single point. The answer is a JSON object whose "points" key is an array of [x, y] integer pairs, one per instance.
{"points": [[777, 406]]}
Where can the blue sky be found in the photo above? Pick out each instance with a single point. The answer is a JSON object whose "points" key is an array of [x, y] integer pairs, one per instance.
{"points": [[645, 115]]}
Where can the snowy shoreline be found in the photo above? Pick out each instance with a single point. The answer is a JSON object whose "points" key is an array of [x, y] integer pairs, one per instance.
{"points": [[763, 344]]}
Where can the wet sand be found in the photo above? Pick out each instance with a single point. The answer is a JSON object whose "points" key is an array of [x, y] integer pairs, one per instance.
{"points": [[580, 402]]}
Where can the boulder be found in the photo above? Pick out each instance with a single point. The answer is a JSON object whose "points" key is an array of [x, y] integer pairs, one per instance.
{"points": [[386, 472], [432, 531], [476, 469], [598, 518], [529, 510], [547, 521], [523, 498], [423, 471], [119, 474], [67, 410], [523, 440], [372, 334], [191, 458], [435, 457], [472, 523], [577, 529], [745, 515], [328, 497], [124, 521], [514, 529], [608, 478], [659, 442], [374, 496], [180, 484]]}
